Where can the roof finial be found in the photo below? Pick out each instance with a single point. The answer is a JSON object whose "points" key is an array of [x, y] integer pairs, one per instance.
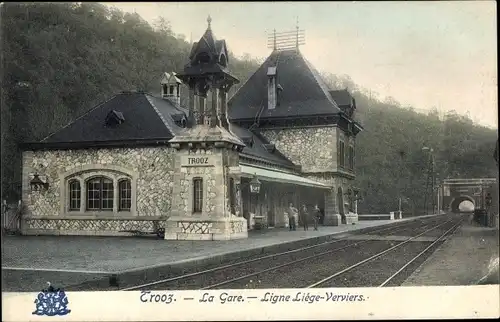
{"points": [[209, 20], [297, 38]]}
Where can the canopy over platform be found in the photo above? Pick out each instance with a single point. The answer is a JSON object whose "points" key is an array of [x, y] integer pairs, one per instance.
{"points": [[277, 176]]}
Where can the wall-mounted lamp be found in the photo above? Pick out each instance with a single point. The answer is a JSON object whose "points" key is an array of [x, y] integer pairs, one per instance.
{"points": [[37, 184], [255, 185]]}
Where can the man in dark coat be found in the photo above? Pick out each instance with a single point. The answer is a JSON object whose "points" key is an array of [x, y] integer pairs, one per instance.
{"points": [[304, 217]]}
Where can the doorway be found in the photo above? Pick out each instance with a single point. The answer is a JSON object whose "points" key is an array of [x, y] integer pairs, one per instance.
{"points": [[340, 204]]}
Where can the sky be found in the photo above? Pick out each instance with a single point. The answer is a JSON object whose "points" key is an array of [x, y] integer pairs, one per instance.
{"points": [[424, 54]]}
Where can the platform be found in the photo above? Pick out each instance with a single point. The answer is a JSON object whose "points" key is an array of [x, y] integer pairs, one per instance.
{"points": [[27, 260], [463, 259]]}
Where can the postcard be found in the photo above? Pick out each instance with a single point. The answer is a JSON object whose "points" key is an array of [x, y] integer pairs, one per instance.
{"points": [[209, 161]]}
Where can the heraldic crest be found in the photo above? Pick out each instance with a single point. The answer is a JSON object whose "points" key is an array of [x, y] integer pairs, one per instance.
{"points": [[51, 302]]}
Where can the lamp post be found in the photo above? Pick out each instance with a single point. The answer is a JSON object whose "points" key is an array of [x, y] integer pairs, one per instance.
{"points": [[439, 199], [402, 154], [430, 174]]}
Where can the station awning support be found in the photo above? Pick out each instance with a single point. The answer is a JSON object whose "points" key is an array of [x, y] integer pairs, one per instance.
{"points": [[282, 177]]}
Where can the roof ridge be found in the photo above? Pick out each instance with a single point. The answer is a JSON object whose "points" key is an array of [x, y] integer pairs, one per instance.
{"points": [[249, 78], [81, 116], [165, 122], [321, 83], [175, 106]]}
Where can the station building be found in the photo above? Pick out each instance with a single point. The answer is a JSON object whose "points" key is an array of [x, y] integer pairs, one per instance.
{"points": [[206, 171]]}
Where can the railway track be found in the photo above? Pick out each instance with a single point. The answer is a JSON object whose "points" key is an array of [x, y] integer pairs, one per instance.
{"points": [[231, 274], [331, 280]]}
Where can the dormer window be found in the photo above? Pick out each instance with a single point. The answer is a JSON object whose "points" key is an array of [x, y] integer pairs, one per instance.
{"points": [[222, 60], [248, 140], [271, 88], [114, 118], [270, 147], [180, 120]]}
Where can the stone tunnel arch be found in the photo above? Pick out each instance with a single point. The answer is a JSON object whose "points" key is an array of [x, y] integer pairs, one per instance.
{"points": [[455, 203]]}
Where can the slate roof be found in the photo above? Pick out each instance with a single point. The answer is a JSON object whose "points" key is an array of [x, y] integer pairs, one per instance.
{"points": [[146, 117], [304, 92], [258, 149], [341, 97]]}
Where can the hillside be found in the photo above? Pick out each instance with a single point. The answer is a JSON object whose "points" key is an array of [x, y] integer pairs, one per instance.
{"points": [[389, 151], [59, 60]]}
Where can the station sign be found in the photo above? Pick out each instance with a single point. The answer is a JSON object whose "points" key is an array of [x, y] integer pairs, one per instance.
{"points": [[198, 161]]}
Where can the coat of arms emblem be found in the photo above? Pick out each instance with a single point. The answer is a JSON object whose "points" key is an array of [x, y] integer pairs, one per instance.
{"points": [[51, 302]]}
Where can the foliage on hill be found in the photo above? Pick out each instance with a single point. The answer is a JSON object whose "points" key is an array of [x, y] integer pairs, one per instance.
{"points": [[389, 158], [59, 60]]}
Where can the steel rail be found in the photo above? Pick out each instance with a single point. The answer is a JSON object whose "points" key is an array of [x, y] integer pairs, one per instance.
{"points": [[345, 270], [273, 268], [403, 225], [452, 229]]}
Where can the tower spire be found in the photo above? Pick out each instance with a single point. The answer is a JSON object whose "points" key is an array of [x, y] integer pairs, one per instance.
{"points": [[209, 21]]}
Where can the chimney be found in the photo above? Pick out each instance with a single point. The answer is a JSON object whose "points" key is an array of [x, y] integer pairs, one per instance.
{"points": [[170, 88], [271, 88]]}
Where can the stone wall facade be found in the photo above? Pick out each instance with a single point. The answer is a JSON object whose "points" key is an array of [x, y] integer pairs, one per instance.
{"points": [[216, 220], [314, 148], [150, 171], [162, 187]]}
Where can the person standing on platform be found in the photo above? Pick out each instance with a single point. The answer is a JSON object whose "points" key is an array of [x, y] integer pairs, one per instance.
{"points": [[291, 217], [316, 216], [304, 216]]}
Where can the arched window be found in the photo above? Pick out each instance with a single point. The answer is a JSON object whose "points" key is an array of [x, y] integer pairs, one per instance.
{"points": [[197, 195], [100, 194], [74, 195], [125, 195]]}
